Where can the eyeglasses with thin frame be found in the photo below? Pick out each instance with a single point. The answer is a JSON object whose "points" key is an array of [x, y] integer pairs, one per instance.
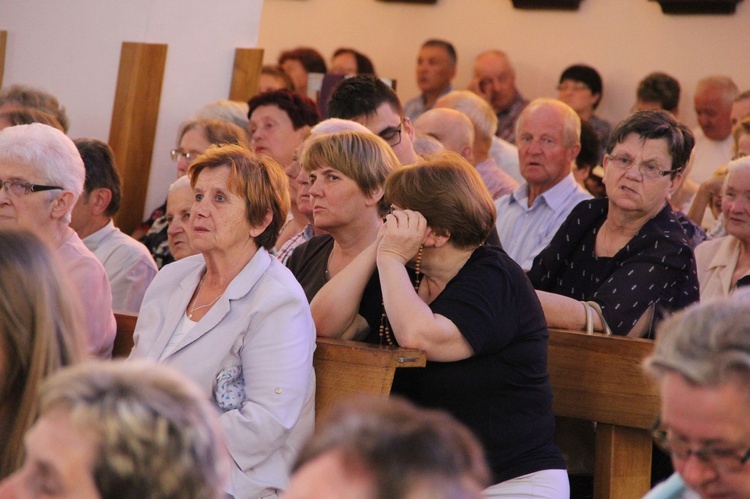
{"points": [[18, 188], [647, 169], [727, 460], [175, 154], [392, 135]]}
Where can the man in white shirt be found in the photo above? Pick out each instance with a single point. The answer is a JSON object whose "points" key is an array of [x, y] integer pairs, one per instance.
{"points": [[713, 138], [548, 136], [128, 263]]}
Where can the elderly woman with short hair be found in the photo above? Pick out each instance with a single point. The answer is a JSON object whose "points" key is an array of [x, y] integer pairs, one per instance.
{"points": [[620, 263], [234, 319], [471, 308], [702, 365], [722, 263]]}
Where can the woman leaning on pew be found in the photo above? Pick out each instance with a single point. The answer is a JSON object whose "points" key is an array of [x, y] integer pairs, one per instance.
{"points": [[471, 309]]}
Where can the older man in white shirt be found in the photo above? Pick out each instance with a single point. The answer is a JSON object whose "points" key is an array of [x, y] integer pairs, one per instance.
{"points": [[128, 263], [548, 138]]}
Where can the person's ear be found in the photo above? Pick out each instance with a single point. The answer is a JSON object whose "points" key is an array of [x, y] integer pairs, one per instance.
{"points": [[375, 196], [99, 200], [434, 240], [572, 152], [409, 129], [62, 205], [674, 184], [257, 230]]}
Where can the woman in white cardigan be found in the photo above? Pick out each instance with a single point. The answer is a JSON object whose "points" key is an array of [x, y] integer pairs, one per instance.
{"points": [[722, 262], [235, 320]]}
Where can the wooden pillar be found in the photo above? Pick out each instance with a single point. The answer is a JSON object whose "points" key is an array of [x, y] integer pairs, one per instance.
{"points": [[246, 74], [133, 127], [3, 42]]}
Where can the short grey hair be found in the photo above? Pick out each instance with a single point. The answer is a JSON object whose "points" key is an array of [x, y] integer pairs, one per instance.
{"points": [[724, 84], [571, 120], [49, 152], [476, 109], [180, 183], [226, 110], [708, 344], [735, 166], [158, 435]]}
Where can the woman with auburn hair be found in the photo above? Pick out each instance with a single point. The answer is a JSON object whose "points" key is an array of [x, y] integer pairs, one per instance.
{"points": [[38, 327], [470, 307], [234, 320]]}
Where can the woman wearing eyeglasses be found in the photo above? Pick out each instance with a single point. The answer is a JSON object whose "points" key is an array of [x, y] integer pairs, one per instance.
{"points": [[617, 264], [195, 136], [702, 365]]}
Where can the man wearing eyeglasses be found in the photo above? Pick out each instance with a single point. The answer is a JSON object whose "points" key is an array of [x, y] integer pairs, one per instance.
{"points": [[702, 364], [370, 102], [41, 177]]}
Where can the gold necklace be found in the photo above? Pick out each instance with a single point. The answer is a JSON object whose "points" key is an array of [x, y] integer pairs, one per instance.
{"points": [[384, 331], [197, 295]]}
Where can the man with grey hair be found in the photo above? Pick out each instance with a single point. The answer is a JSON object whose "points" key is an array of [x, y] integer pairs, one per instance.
{"points": [[713, 100], [452, 128], [42, 176], [702, 365], [460, 112], [548, 133]]}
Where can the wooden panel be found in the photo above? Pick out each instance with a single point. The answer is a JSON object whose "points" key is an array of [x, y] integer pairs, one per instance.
{"points": [[124, 338], [347, 368], [623, 462], [3, 44], [133, 127], [246, 74], [599, 378]]}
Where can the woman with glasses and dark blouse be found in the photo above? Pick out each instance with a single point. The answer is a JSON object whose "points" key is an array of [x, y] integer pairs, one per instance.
{"points": [[620, 263]]}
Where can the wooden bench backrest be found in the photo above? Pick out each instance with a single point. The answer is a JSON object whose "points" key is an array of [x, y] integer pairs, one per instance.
{"points": [[599, 378], [347, 368], [124, 338]]}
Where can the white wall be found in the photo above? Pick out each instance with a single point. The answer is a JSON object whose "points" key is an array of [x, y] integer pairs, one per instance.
{"points": [[623, 39], [71, 48]]}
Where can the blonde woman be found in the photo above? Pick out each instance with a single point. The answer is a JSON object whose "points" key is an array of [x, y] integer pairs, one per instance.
{"points": [[38, 325]]}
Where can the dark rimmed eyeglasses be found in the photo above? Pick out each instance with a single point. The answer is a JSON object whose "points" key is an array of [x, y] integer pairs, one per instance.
{"points": [[392, 135], [720, 459], [18, 188]]}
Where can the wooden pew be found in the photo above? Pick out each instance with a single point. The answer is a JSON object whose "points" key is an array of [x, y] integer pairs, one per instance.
{"points": [[342, 368], [347, 368], [599, 378], [124, 338]]}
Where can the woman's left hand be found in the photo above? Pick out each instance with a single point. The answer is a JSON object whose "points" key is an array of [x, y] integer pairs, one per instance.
{"points": [[404, 232]]}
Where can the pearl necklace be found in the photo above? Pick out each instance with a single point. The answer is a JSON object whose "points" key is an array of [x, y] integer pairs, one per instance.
{"points": [[200, 288]]}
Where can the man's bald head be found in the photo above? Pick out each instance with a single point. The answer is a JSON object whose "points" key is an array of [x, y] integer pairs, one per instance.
{"points": [[453, 128]]}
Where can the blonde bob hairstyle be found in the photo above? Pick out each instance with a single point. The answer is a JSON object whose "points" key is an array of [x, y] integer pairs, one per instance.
{"points": [[157, 435], [363, 157], [257, 179], [449, 193], [38, 327]]}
